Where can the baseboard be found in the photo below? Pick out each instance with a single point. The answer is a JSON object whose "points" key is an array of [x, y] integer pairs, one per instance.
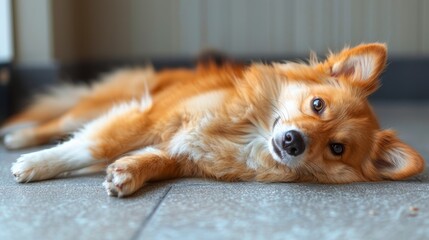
{"points": [[5, 80], [405, 79], [28, 80]]}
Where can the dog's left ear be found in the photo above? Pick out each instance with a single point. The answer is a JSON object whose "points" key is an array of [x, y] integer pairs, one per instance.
{"points": [[392, 159], [360, 66]]}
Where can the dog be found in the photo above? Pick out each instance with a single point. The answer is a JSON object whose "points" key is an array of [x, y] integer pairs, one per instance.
{"points": [[278, 122]]}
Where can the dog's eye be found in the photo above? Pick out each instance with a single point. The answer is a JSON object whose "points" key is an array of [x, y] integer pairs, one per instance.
{"points": [[337, 148], [318, 105]]}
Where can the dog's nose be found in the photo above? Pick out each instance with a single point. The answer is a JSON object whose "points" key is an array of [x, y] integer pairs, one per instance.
{"points": [[293, 143]]}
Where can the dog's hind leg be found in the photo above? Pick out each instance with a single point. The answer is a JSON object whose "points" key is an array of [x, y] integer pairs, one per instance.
{"points": [[45, 107], [32, 136], [53, 117], [103, 140], [43, 133]]}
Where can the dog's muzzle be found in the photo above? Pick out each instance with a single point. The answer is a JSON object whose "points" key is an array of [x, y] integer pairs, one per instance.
{"points": [[291, 142]]}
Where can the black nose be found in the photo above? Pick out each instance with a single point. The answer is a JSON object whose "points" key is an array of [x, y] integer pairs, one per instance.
{"points": [[293, 143]]}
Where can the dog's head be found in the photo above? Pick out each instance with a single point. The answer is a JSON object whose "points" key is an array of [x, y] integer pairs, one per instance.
{"points": [[324, 128]]}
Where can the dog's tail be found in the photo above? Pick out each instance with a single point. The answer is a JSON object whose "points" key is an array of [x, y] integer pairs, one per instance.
{"points": [[213, 58], [210, 61]]}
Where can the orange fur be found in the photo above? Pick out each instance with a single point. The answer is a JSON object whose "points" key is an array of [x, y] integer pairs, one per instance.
{"points": [[222, 121]]}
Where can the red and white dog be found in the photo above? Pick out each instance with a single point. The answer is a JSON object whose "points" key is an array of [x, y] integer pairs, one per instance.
{"points": [[282, 122]]}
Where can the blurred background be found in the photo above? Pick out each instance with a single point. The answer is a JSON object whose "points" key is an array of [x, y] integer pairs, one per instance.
{"points": [[43, 41]]}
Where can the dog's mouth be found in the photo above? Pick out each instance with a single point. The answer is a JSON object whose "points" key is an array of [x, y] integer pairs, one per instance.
{"points": [[276, 149], [281, 155]]}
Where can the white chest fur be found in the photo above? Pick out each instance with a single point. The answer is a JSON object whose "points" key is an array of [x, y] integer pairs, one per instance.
{"points": [[200, 112]]}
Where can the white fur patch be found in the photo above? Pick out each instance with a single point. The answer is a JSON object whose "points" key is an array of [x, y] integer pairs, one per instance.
{"points": [[187, 140], [145, 150], [146, 100], [257, 149], [119, 181], [70, 124], [337, 68], [18, 139], [398, 158], [184, 143], [119, 110], [286, 66], [363, 66], [289, 102], [209, 100], [14, 127], [49, 163]]}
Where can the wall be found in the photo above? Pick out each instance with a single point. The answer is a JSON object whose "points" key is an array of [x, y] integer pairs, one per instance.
{"points": [[32, 28], [73, 30], [6, 47]]}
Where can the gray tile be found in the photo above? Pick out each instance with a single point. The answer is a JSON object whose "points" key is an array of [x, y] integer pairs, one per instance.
{"points": [[292, 211], [73, 212], [191, 181], [69, 208]]}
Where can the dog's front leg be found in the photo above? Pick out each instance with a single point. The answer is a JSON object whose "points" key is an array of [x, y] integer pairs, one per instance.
{"points": [[128, 174]]}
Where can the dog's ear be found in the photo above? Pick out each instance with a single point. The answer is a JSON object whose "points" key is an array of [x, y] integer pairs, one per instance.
{"points": [[359, 66], [391, 159]]}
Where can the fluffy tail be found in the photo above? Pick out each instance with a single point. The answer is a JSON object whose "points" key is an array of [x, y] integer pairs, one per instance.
{"points": [[212, 58]]}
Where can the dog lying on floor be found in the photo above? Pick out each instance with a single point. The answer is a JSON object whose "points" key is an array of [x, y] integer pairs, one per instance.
{"points": [[282, 122]]}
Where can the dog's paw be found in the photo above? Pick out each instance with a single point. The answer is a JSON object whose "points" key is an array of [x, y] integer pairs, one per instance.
{"points": [[18, 139], [31, 167], [120, 180], [24, 169]]}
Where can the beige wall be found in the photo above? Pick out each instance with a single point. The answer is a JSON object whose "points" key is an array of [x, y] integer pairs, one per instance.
{"points": [[72, 30], [6, 44], [32, 31]]}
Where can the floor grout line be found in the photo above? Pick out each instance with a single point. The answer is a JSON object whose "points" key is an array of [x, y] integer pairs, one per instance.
{"points": [[146, 221]]}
